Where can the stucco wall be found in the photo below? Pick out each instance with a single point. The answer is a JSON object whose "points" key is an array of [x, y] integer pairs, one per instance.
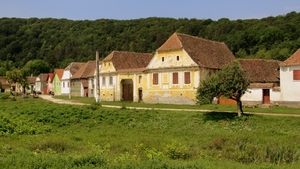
{"points": [[290, 89], [65, 89]]}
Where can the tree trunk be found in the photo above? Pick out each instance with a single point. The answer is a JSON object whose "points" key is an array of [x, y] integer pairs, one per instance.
{"points": [[240, 107], [24, 89]]}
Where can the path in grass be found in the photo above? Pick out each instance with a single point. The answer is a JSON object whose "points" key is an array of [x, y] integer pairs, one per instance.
{"points": [[62, 101]]}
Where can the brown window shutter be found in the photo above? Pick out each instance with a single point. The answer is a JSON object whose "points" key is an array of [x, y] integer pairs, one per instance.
{"points": [[296, 74], [187, 79], [175, 78], [155, 78]]}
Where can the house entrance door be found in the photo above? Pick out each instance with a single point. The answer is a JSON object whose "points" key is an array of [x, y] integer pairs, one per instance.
{"points": [[266, 96], [86, 92], [140, 94], [127, 90]]}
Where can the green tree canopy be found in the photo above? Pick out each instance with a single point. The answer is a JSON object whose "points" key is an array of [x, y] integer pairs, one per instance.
{"points": [[18, 76], [230, 82], [36, 67]]}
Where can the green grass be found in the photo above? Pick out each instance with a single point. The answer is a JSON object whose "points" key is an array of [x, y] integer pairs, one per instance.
{"points": [[214, 107], [39, 134]]}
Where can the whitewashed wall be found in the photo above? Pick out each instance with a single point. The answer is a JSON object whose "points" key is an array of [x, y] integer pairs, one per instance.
{"points": [[290, 89], [65, 78]]}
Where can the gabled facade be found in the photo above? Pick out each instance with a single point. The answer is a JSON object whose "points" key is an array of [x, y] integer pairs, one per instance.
{"points": [[264, 80], [179, 65], [290, 80], [92, 80], [41, 83], [122, 76], [5, 86], [71, 69], [31, 84], [56, 83], [80, 81], [49, 83]]}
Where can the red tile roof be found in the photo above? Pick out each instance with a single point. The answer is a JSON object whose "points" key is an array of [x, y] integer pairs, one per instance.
{"points": [[206, 53], [128, 61], [292, 60], [85, 71], [4, 81], [50, 76], [74, 66], [31, 79], [59, 73], [260, 70], [43, 77]]}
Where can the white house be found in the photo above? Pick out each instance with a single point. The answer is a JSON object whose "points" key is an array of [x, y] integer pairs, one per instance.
{"points": [[290, 80], [264, 81], [68, 72]]}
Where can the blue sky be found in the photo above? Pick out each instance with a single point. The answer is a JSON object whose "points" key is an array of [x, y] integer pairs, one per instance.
{"points": [[134, 9]]}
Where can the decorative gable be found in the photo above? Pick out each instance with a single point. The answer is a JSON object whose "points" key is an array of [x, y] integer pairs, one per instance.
{"points": [[292, 60], [182, 50]]}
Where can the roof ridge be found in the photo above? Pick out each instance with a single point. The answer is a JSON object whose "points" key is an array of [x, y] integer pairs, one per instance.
{"points": [[197, 37]]}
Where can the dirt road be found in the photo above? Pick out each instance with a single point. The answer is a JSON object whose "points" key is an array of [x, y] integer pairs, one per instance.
{"points": [[62, 101]]}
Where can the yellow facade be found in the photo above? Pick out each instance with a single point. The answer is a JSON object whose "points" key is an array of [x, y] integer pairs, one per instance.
{"points": [[169, 90], [107, 79], [111, 89]]}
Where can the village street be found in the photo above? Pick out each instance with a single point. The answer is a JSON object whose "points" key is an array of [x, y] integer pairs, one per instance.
{"points": [[72, 102]]}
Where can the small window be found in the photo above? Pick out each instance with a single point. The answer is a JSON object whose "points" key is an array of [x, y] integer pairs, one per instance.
{"points": [[177, 58], [163, 59], [68, 84], [155, 78], [140, 79], [175, 78], [103, 80], [110, 80], [63, 84], [296, 74], [187, 78]]}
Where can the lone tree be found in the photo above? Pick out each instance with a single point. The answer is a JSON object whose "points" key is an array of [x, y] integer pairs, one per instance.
{"points": [[18, 76], [230, 82]]}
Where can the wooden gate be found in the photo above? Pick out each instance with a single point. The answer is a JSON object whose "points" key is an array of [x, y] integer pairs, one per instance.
{"points": [[128, 92], [266, 96]]}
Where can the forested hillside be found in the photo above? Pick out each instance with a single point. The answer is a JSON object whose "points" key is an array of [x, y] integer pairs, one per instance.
{"points": [[61, 41]]}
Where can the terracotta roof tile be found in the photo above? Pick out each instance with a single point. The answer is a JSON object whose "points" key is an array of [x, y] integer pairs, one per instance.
{"points": [[50, 76], [292, 60], [31, 79], [85, 71], [4, 81], [59, 73], [75, 66], [129, 61], [260, 70], [206, 53], [43, 77], [84, 82]]}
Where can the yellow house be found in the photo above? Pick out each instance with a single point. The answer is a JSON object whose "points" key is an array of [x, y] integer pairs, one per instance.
{"points": [[178, 67], [122, 76]]}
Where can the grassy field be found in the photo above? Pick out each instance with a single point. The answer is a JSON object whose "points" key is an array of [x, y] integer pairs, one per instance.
{"points": [[39, 134]]}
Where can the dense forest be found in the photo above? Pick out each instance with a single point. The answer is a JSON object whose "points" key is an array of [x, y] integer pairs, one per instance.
{"points": [[61, 41]]}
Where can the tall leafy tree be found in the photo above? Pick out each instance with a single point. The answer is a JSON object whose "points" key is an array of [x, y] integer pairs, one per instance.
{"points": [[230, 82], [18, 76], [36, 67]]}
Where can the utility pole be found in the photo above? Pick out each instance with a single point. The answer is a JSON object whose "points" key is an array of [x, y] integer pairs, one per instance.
{"points": [[70, 81], [97, 78]]}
